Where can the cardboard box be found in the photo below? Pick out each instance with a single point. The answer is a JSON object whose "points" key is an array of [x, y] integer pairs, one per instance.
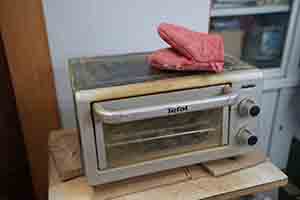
{"points": [[233, 42]]}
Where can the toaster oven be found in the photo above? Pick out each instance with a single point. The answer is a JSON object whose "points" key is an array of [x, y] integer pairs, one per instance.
{"points": [[134, 120]]}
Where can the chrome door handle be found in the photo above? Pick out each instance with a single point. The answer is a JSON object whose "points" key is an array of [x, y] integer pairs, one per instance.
{"points": [[127, 115]]}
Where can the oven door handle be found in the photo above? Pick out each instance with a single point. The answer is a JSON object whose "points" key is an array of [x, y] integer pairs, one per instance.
{"points": [[127, 115]]}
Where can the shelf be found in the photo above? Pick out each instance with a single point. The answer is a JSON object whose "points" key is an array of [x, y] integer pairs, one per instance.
{"points": [[255, 10]]}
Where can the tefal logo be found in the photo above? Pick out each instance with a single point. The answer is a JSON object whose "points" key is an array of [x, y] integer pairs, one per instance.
{"points": [[178, 109]]}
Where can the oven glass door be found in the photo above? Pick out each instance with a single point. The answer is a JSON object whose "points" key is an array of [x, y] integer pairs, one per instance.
{"points": [[161, 128], [137, 141]]}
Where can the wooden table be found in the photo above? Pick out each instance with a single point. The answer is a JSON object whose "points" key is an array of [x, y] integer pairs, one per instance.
{"points": [[187, 183], [191, 183]]}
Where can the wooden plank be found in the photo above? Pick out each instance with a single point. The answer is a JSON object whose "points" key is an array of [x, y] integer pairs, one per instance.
{"points": [[26, 45], [65, 149], [141, 183], [248, 181], [78, 189], [229, 165], [260, 178]]}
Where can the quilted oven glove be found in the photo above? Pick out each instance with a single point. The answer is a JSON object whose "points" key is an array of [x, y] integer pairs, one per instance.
{"points": [[191, 51]]}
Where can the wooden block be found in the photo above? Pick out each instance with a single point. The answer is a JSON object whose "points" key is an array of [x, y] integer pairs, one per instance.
{"points": [[225, 166], [65, 149]]}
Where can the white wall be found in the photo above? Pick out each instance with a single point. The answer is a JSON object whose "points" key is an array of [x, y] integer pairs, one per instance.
{"points": [[95, 27], [286, 125]]}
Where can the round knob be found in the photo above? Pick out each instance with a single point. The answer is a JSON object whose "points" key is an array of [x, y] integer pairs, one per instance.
{"points": [[246, 137], [248, 107]]}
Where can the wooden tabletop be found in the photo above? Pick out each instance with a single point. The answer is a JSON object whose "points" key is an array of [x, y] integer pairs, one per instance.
{"points": [[188, 183], [192, 183]]}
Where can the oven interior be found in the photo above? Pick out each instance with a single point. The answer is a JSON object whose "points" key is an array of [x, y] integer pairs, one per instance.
{"points": [[137, 141]]}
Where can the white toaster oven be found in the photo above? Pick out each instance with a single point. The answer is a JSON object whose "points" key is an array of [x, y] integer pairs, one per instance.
{"points": [[134, 120]]}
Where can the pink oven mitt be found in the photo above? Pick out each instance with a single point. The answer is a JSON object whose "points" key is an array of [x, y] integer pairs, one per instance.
{"points": [[169, 59], [191, 50]]}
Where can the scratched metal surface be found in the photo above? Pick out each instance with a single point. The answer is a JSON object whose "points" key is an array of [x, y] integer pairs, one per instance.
{"points": [[108, 71]]}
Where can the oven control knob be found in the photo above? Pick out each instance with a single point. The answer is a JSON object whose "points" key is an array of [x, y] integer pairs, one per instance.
{"points": [[248, 107], [246, 137]]}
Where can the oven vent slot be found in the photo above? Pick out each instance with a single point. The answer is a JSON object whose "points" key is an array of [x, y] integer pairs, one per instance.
{"points": [[248, 86]]}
